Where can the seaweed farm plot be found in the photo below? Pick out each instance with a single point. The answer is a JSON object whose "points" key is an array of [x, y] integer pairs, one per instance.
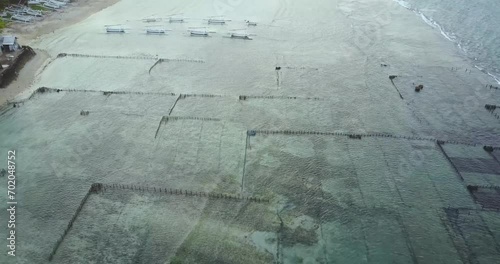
{"points": [[95, 73], [496, 155], [212, 78], [449, 102], [127, 226], [323, 80], [486, 196], [200, 153], [262, 113], [342, 196], [385, 171], [82, 150], [232, 232], [476, 166], [100, 102], [296, 113], [442, 82], [109, 146], [476, 234]]}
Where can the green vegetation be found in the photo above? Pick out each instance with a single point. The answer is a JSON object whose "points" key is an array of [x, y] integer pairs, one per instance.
{"points": [[3, 24], [38, 7], [176, 260], [6, 3]]}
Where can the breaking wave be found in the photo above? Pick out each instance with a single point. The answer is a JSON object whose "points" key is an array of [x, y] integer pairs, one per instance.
{"points": [[451, 36]]}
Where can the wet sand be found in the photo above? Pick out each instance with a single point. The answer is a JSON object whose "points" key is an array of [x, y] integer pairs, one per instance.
{"points": [[26, 77], [52, 21], [75, 12]]}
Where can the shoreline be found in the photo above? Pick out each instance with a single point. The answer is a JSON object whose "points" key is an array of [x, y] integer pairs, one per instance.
{"points": [[448, 35], [75, 12], [27, 75]]}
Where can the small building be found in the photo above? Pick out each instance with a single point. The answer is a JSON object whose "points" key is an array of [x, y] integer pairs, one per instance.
{"points": [[9, 43]]}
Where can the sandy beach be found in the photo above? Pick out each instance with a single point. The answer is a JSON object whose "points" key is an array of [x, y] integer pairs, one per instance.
{"points": [[25, 78], [76, 11]]}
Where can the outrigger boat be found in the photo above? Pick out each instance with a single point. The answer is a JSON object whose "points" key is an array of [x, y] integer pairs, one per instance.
{"points": [[51, 5], [217, 20], [32, 12], [14, 10], [59, 3], [115, 29], [21, 18], [200, 31], [20, 10], [176, 18], [156, 30], [251, 23], [152, 19], [240, 34]]}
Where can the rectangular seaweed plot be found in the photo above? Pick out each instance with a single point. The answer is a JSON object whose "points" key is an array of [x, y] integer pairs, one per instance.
{"points": [[428, 237], [372, 201], [300, 170], [231, 231], [296, 113], [199, 155], [440, 105], [124, 226], [473, 228], [214, 78], [368, 235], [492, 220], [488, 198], [346, 172], [475, 165], [95, 74], [274, 113]]}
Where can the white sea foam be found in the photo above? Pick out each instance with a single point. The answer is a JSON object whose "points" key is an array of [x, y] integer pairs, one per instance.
{"points": [[449, 36], [497, 78], [404, 4]]}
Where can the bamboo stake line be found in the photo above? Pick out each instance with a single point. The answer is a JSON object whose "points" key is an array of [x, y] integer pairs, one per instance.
{"points": [[62, 55], [93, 188]]}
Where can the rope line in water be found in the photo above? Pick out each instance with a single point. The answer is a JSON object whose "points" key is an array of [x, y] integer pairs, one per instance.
{"points": [[62, 55]]}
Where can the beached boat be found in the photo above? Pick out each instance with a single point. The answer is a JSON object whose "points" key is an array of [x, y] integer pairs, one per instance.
{"points": [[240, 34], [176, 20], [199, 32], [59, 3], [217, 20], [31, 12], [152, 19], [14, 10], [251, 23], [115, 29], [21, 18], [156, 30], [51, 5]]}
